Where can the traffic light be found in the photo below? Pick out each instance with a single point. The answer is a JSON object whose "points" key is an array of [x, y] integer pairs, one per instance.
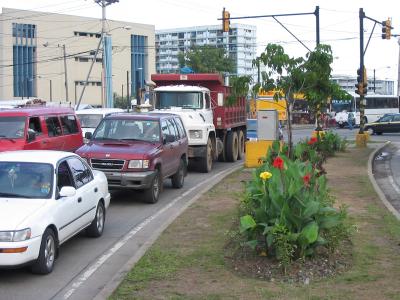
{"points": [[386, 28], [225, 20], [362, 82]]}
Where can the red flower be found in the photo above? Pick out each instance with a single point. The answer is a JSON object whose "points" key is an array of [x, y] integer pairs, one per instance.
{"points": [[306, 179], [312, 141], [278, 163]]}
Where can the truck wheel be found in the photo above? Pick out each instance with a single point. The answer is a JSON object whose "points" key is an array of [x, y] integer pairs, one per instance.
{"points": [[178, 178], [205, 162], [152, 193], [241, 145], [222, 155], [232, 147]]}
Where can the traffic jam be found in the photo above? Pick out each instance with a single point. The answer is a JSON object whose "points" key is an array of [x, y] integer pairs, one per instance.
{"points": [[58, 165]]}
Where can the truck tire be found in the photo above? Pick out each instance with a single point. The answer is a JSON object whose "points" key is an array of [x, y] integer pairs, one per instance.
{"points": [[205, 163], [222, 155], [240, 145], [232, 146]]}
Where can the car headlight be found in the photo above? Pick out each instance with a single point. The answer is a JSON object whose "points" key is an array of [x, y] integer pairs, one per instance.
{"points": [[138, 164], [15, 236], [195, 134]]}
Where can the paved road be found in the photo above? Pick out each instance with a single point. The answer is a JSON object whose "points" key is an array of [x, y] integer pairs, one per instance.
{"points": [[85, 265], [299, 134], [386, 170]]}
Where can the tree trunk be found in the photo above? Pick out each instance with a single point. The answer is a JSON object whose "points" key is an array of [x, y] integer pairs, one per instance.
{"points": [[290, 137]]}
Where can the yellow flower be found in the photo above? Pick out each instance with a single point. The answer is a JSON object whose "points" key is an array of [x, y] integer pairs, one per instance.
{"points": [[265, 175]]}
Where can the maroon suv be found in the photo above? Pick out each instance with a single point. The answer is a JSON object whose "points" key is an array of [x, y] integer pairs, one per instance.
{"points": [[138, 151]]}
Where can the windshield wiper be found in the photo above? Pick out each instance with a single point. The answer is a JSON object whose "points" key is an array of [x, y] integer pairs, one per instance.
{"points": [[11, 195]]}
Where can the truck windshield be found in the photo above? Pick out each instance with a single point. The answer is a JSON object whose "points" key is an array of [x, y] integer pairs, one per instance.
{"points": [[89, 120], [12, 127], [192, 100], [134, 130]]}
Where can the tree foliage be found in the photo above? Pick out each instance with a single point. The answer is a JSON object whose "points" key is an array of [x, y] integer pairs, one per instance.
{"points": [[309, 76], [207, 59]]}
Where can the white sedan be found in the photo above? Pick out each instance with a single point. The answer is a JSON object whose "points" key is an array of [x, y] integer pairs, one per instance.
{"points": [[47, 197]]}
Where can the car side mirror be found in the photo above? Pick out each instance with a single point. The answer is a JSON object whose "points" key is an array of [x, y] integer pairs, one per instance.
{"points": [[67, 191], [31, 135], [88, 135], [169, 138]]}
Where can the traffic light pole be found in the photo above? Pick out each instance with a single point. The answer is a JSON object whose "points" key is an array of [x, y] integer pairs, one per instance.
{"points": [[362, 100]]}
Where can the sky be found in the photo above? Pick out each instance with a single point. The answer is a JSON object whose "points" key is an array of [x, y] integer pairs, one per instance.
{"points": [[339, 24]]}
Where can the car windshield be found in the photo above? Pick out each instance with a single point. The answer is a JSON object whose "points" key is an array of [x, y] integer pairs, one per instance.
{"points": [[386, 118], [25, 180], [120, 129], [192, 100], [12, 127], [89, 120]]}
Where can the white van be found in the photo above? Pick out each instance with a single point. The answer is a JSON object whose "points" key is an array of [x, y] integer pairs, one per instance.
{"points": [[90, 118]]}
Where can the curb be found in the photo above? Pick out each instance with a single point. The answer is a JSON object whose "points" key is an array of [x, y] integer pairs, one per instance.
{"points": [[377, 189], [115, 281]]}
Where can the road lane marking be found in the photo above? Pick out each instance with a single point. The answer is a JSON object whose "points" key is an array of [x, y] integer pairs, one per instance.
{"points": [[95, 266]]}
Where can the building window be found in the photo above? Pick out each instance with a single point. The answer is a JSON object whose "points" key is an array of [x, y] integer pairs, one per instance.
{"points": [[24, 60]]}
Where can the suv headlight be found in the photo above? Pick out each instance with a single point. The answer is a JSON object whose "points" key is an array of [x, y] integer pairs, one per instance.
{"points": [[138, 164], [15, 236], [196, 134]]}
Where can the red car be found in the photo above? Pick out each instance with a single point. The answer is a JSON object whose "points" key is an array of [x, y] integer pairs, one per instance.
{"points": [[139, 151], [40, 128]]}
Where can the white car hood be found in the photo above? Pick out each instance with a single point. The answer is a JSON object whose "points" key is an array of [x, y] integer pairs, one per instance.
{"points": [[13, 211]]}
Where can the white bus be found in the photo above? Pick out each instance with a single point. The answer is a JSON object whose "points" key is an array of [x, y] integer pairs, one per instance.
{"points": [[376, 107]]}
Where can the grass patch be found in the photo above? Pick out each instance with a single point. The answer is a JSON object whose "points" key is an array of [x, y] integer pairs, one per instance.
{"points": [[188, 261]]}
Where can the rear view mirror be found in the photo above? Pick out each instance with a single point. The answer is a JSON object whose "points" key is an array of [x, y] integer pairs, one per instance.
{"points": [[88, 135], [31, 135], [67, 191], [169, 138]]}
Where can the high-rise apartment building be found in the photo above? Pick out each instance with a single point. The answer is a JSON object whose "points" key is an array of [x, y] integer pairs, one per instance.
{"points": [[240, 44]]}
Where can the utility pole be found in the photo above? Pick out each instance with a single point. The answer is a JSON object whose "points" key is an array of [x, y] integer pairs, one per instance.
{"points": [[362, 101], [398, 73], [65, 74], [104, 4], [374, 82], [51, 90], [317, 24], [127, 90]]}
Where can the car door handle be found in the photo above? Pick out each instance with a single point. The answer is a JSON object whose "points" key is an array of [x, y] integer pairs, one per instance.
{"points": [[79, 200], [96, 189], [171, 147], [44, 142]]}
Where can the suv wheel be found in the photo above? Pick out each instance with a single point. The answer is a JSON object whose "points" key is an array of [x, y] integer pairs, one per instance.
{"points": [[178, 178], [152, 193]]}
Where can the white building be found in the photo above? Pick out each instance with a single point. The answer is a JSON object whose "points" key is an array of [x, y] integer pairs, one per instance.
{"points": [[32, 57], [377, 86], [240, 44]]}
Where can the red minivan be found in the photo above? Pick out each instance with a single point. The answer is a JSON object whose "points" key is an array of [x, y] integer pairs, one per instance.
{"points": [[40, 128]]}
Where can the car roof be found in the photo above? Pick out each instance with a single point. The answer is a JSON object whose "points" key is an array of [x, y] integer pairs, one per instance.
{"points": [[31, 111], [37, 156], [141, 116], [97, 111]]}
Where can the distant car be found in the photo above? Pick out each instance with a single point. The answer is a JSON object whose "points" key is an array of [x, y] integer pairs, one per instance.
{"points": [[90, 118], [386, 124], [138, 151], [47, 197]]}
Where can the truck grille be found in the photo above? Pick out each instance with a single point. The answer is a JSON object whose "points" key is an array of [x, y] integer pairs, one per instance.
{"points": [[107, 164]]}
